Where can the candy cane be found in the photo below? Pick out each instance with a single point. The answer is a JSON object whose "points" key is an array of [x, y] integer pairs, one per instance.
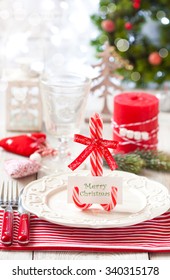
{"points": [[96, 161], [96, 158], [92, 126], [113, 202], [76, 199], [99, 156], [84, 206]]}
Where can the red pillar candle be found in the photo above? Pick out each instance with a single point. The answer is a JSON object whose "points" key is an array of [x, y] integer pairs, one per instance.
{"points": [[135, 121]]}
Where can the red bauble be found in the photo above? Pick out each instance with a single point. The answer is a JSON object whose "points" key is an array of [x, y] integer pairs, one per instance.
{"points": [[108, 25], [154, 58], [128, 25], [136, 4]]}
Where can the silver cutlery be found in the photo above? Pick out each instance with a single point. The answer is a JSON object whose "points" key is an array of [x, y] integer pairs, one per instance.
{"points": [[23, 230], [8, 200]]}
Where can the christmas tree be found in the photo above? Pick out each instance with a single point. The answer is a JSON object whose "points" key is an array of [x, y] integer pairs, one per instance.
{"points": [[107, 78], [140, 32]]}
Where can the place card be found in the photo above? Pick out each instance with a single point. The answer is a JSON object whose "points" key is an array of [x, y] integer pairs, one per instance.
{"points": [[95, 189]]}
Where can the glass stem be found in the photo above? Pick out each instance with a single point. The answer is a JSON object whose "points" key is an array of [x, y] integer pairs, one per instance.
{"points": [[63, 149]]}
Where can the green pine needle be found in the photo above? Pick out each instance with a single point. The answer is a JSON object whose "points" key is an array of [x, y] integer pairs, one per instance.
{"points": [[155, 160], [141, 44], [129, 162], [140, 159]]}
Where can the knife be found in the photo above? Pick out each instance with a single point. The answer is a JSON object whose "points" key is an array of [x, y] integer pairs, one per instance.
{"points": [[23, 230]]}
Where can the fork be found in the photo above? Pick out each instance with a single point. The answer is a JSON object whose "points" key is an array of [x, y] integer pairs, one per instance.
{"points": [[8, 200]]}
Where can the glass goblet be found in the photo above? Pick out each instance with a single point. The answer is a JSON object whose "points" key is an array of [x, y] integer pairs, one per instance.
{"points": [[64, 99]]}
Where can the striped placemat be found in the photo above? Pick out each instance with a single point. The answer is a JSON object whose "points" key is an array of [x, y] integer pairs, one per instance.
{"points": [[150, 236]]}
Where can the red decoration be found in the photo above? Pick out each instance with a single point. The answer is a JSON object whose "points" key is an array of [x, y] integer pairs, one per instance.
{"points": [[135, 121], [98, 148], [154, 58], [136, 4], [24, 145], [108, 25], [85, 206], [99, 145], [128, 25], [96, 158], [77, 201]]}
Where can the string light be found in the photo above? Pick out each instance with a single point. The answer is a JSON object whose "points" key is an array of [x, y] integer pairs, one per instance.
{"points": [[160, 15], [135, 76], [165, 20], [122, 45], [163, 52], [111, 7]]}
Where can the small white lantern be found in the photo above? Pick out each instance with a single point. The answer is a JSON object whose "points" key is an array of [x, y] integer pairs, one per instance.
{"points": [[23, 105]]}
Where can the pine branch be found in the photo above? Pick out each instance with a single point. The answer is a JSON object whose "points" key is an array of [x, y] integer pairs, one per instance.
{"points": [[140, 159], [155, 160], [129, 162]]}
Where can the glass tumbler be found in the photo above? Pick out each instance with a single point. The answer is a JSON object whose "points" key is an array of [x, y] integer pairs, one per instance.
{"points": [[64, 99]]}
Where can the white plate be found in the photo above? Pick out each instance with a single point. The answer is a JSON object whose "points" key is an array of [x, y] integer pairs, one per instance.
{"points": [[47, 198]]}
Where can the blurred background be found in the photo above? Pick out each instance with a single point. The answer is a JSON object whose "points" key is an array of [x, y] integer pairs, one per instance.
{"points": [[49, 35], [45, 33]]}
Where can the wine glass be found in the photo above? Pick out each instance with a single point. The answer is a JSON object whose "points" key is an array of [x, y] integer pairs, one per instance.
{"points": [[64, 99]]}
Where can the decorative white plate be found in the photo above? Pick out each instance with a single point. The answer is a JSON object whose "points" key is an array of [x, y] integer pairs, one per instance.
{"points": [[47, 198]]}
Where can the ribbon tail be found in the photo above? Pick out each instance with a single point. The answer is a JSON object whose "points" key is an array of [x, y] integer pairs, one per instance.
{"points": [[82, 139], [109, 144], [79, 160], [109, 159]]}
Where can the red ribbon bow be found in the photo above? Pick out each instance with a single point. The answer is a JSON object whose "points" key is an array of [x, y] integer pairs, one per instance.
{"points": [[97, 144]]}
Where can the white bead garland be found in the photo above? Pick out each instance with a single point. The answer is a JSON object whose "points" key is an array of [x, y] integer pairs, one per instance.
{"points": [[137, 135], [145, 135], [130, 134], [123, 131]]}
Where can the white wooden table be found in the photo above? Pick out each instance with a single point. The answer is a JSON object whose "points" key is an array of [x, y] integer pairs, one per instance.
{"points": [[164, 144]]}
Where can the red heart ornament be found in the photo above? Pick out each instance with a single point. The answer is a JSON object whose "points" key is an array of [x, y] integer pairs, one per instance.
{"points": [[24, 145]]}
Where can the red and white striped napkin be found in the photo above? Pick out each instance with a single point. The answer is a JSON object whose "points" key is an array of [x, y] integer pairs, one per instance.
{"points": [[150, 236]]}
